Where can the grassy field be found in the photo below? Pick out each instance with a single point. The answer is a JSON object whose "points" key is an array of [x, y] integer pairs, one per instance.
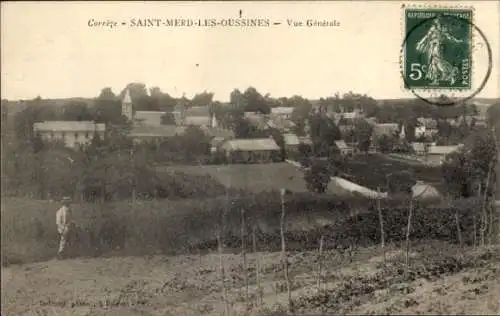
{"points": [[371, 171], [251, 177]]}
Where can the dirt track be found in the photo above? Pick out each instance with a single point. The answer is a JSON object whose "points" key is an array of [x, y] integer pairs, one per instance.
{"points": [[190, 285]]}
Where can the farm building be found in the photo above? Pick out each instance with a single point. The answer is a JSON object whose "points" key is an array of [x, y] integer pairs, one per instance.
{"points": [[152, 118], [143, 133], [292, 143], [388, 129], [282, 111], [280, 123], [436, 154], [259, 150], [71, 133], [422, 190], [426, 127], [342, 146], [419, 148]]}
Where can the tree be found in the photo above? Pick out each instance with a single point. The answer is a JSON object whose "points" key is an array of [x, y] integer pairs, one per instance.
{"points": [[107, 108], [400, 183], [107, 94], [77, 111], [255, 102], [280, 141], [385, 143], [493, 115], [363, 135], [202, 99], [324, 133], [195, 142], [468, 168], [317, 177]]}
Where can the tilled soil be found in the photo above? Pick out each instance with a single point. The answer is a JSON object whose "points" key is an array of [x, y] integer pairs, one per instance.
{"points": [[357, 282]]}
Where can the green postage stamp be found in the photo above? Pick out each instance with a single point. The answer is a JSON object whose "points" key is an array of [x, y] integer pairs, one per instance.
{"points": [[437, 51]]}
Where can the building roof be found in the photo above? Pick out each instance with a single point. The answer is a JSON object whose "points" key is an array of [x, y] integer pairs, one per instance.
{"points": [[157, 131], [251, 144], [127, 99], [427, 122], [291, 139], [69, 126], [418, 147], [282, 110], [305, 140], [280, 123], [197, 111], [197, 120], [218, 132], [149, 117], [385, 129], [341, 144], [442, 150]]}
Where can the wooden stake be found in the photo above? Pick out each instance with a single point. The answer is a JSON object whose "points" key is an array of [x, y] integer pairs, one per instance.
{"points": [[459, 231], [244, 255], [408, 229], [484, 222], [223, 275], [283, 248], [257, 263], [381, 219], [320, 257]]}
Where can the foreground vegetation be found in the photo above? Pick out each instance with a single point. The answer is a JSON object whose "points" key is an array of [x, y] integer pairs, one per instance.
{"points": [[443, 279], [165, 226]]}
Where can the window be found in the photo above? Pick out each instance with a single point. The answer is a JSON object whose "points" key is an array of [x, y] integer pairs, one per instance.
{"points": [[63, 134], [52, 135], [76, 135], [87, 135]]}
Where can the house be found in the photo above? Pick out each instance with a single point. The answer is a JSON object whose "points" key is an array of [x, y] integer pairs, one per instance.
{"points": [[436, 154], [261, 150], [388, 129], [342, 146], [280, 123], [195, 115], [71, 133], [149, 117], [426, 127], [218, 136], [419, 148], [257, 120], [142, 133], [292, 143], [282, 111]]}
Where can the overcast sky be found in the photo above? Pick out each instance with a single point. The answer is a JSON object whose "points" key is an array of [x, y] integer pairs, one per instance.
{"points": [[49, 50]]}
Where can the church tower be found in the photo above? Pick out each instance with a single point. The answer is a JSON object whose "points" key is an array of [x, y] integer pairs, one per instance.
{"points": [[127, 107]]}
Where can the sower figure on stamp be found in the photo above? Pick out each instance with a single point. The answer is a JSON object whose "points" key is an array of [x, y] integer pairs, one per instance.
{"points": [[64, 225], [431, 45]]}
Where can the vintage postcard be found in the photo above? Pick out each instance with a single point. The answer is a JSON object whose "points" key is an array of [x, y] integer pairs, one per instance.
{"points": [[250, 158]]}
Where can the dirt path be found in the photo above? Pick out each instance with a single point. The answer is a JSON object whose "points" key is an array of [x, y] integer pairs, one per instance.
{"points": [[191, 285]]}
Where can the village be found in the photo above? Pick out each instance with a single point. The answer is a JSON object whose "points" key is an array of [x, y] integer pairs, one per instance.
{"points": [[282, 135]]}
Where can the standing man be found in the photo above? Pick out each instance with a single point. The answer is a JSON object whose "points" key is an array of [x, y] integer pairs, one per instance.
{"points": [[63, 222]]}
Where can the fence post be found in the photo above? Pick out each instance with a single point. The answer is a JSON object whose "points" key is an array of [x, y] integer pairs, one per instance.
{"points": [[284, 259]]}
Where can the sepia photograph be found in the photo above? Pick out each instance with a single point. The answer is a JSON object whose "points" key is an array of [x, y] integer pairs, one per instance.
{"points": [[250, 158]]}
